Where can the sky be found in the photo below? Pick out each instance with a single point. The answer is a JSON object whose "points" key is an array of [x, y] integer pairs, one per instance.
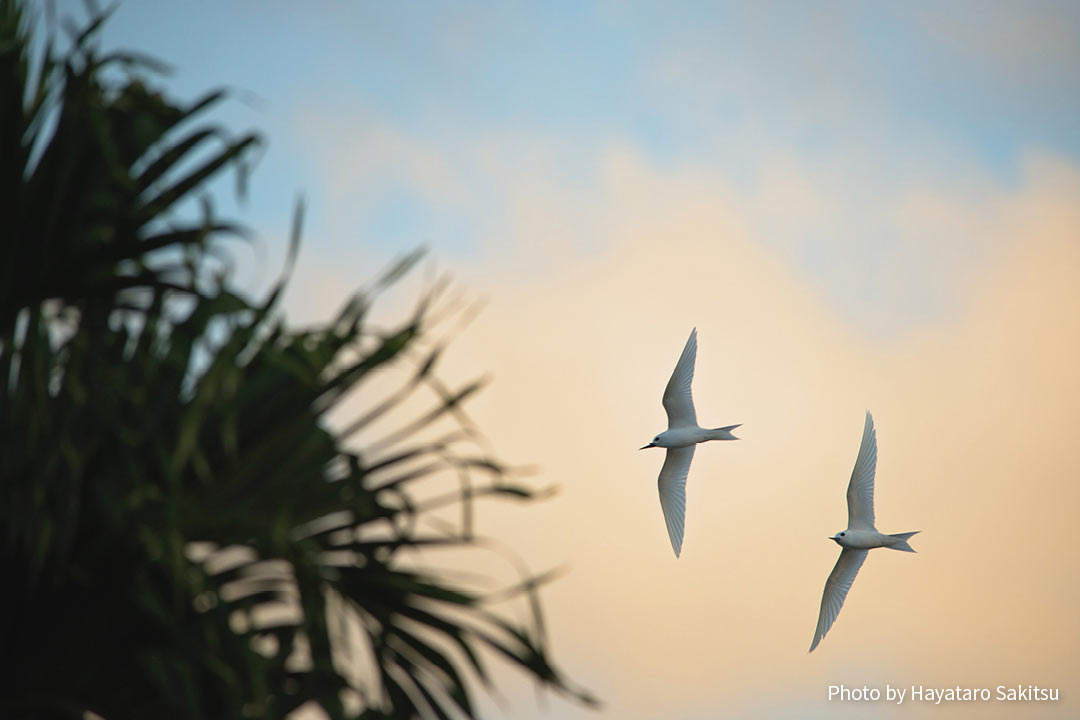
{"points": [[859, 206]]}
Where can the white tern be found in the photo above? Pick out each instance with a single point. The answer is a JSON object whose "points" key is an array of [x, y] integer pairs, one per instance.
{"points": [[680, 438], [860, 536]]}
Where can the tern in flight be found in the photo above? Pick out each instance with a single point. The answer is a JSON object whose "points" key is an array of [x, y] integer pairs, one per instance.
{"points": [[860, 536], [680, 438]]}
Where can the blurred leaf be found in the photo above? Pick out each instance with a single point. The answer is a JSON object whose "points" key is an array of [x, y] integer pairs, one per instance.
{"points": [[183, 530]]}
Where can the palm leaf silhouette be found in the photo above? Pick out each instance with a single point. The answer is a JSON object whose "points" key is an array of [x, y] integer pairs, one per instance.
{"points": [[184, 531]]}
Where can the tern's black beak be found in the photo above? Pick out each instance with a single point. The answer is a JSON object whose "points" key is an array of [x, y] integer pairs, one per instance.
{"points": [[647, 446]]}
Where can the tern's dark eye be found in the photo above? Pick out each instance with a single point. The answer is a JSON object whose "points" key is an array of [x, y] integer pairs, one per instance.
{"points": [[843, 534]]}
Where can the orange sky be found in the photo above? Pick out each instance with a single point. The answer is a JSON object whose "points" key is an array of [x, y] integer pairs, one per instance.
{"points": [[977, 413]]}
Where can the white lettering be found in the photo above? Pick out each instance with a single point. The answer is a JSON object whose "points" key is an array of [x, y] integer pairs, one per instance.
{"points": [[856, 694], [939, 695], [952, 694], [1030, 693]]}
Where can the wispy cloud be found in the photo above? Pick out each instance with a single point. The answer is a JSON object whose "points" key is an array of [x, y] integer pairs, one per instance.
{"points": [[976, 409], [975, 413]]}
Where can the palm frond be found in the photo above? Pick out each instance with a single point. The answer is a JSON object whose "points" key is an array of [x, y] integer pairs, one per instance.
{"points": [[184, 530]]}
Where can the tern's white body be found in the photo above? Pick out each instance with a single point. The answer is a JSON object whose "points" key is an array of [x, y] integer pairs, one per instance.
{"points": [[859, 538], [680, 439], [865, 539]]}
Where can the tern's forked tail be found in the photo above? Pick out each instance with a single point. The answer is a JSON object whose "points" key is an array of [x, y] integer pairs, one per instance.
{"points": [[903, 538], [723, 433]]}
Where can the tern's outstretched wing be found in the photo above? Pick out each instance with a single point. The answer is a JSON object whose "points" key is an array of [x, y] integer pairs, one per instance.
{"points": [[836, 589], [677, 401], [673, 492], [860, 492]]}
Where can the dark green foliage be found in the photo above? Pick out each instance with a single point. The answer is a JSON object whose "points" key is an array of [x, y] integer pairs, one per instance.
{"points": [[167, 472]]}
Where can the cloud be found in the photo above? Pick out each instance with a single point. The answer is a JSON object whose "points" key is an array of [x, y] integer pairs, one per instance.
{"points": [[944, 300], [522, 200], [1034, 43], [976, 410]]}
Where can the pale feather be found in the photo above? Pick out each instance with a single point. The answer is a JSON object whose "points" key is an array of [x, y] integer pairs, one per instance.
{"points": [[677, 399], [836, 589], [672, 484], [860, 493]]}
